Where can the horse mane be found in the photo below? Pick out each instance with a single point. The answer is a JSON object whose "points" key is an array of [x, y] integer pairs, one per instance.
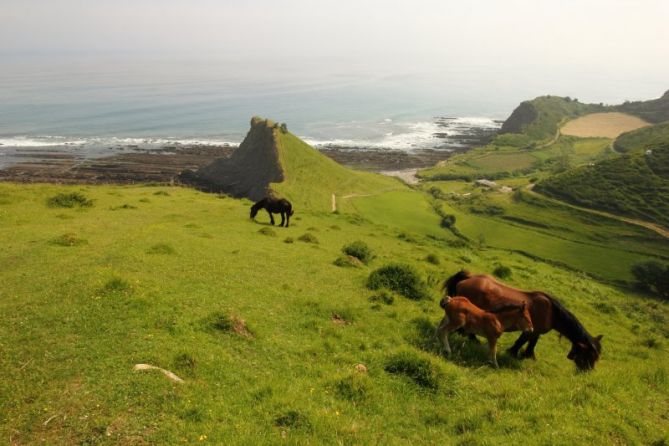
{"points": [[505, 308], [451, 282], [566, 323], [258, 204]]}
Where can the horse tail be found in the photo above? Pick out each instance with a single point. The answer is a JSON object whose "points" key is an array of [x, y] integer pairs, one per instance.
{"points": [[452, 282]]}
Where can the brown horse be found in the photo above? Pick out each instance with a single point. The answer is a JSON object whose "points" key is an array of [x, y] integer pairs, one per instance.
{"points": [[546, 311], [461, 313], [274, 205]]}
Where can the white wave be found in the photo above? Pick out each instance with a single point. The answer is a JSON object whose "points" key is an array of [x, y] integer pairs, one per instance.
{"points": [[61, 141], [409, 136]]}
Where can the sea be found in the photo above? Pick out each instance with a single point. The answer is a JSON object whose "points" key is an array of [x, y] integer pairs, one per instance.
{"points": [[91, 106]]}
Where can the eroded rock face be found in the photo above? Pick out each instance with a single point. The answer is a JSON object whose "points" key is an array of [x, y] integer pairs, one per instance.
{"points": [[523, 115], [248, 172]]}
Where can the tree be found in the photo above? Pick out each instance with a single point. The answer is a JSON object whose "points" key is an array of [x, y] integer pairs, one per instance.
{"points": [[652, 276]]}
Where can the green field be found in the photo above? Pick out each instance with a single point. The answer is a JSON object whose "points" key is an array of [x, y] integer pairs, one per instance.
{"points": [[156, 274]]}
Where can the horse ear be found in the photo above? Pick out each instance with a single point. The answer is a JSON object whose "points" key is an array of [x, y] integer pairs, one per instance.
{"points": [[599, 338]]}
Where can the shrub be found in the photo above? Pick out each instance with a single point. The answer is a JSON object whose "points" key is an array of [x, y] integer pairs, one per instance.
{"points": [[401, 278], [68, 239], [308, 238], [354, 387], [292, 418], [289, 240], [384, 296], [652, 276], [267, 231], [420, 370], [116, 286], [433, 259], [284, 128], [502, 271], [161, 248], [162, 192], [222, 322], [359, 250], [185, 363], [447, 221], [347, 261], [71, 200]]}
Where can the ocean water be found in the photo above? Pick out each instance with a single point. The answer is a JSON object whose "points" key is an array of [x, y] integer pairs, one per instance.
{"points": [[89, 105]]}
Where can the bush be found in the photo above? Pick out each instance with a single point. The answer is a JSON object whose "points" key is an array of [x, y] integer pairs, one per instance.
{"points": [[116, 286], [289, 240], [447, 221], [401, 278], [284, 128], [348, 261], [71, 200], [308, 238], [384, 296], [652, 276], [292, 418], [433, 259], [354, 387], [421, 370], [501, 271], [267, 231], [68, 239], [161, 248], [359, 250]]}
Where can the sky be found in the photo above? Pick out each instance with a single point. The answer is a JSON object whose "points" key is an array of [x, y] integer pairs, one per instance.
{"points": [[601, 45]]}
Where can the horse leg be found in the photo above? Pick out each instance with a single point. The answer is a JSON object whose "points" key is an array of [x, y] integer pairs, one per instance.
{"points": [[287, 218], [271, 217], [492, 347], [442, 332], [470, 336], [283, 219], [529, 350], [513, 350]]}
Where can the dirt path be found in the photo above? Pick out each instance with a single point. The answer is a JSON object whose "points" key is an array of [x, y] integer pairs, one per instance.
{"points": [[645, 224]]}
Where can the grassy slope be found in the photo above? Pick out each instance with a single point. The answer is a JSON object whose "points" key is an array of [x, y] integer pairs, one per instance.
{"points": [[67, 345], [311, 178], [643, 139], [599, 246], [634, 185]]}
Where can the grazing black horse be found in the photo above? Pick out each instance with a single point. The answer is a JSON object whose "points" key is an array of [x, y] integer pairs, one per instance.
{"points": [[274, 206]]}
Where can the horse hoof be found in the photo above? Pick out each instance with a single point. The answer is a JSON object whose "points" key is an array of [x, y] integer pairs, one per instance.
{"points": [[512, 352], [528, 355]]}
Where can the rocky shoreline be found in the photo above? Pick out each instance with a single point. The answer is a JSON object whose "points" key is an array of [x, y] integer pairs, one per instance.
{"points": [[132, 164]]}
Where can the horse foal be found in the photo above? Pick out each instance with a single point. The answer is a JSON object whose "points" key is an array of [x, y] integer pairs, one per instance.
{"points": [[461, 313]]}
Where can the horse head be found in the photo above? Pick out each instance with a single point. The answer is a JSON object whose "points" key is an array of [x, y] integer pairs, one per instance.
{"points": [[525, 322], [586, 354]]}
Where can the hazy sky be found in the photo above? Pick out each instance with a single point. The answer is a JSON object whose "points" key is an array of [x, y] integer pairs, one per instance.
{"points": [[615, 41]]}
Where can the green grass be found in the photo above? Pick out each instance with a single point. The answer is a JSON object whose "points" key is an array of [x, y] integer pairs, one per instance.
{"points": [[635, 184], [310, 178], [644, 138], [76, 319]]}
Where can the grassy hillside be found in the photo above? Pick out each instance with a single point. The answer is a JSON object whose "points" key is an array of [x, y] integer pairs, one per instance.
{"points": [[166, 275], [635, 184], [643, 139], [654, 110], [541, 117], [310, 178]]}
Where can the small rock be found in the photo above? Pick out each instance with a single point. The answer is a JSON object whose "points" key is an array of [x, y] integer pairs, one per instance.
{"points": [[362, 368]]}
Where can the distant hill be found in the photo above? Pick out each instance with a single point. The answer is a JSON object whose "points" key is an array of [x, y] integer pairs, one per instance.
{"points": [[635, 184], [655, 110], [541, 117], [272, 161]]}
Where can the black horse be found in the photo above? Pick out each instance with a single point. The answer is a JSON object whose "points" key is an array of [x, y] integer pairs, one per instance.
{"points": [[274, 206]]}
